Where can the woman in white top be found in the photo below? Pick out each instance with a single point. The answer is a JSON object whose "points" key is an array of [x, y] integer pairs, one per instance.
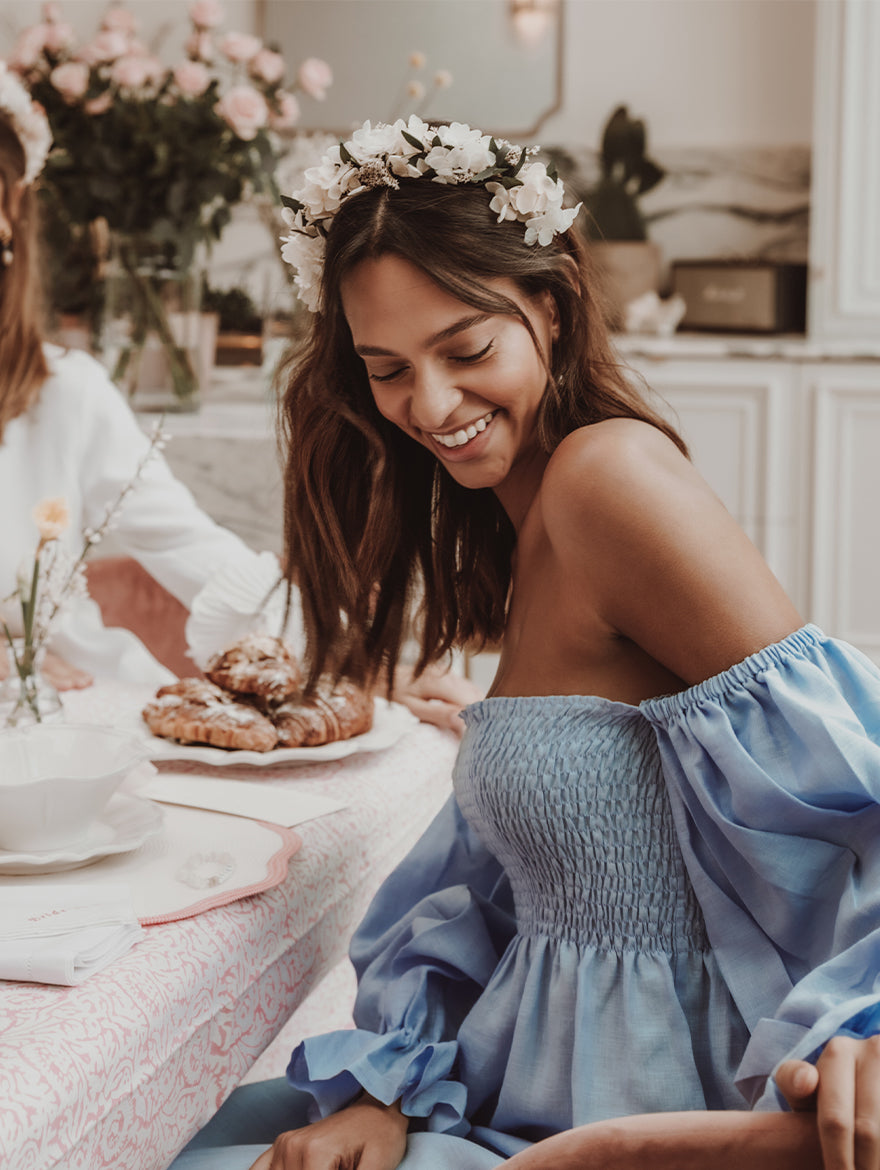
{"points": [[65, 430]]}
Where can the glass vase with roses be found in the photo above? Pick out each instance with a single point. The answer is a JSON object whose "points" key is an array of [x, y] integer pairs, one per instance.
{"points": [[149, 159]]}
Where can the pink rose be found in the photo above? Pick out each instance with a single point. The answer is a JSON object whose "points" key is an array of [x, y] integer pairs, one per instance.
{"points": [[52, 12], [107, 46], [199, 46], [192, 78], [70, 79], [240, 47], [100, 104], [267, 66], [133, 72], [120, 20], [29, 47], [206, 13], [315, 77], [59, 36], [245, 110], [286, 115]]}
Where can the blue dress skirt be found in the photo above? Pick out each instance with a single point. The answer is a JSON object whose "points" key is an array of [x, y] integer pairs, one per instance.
{"points": [[624, 910]]}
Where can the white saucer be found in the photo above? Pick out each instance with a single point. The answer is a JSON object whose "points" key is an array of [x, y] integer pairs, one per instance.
{"points": [[125, 823]]}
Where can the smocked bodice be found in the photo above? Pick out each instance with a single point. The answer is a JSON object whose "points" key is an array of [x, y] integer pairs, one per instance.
{"points": [[568, 793]]}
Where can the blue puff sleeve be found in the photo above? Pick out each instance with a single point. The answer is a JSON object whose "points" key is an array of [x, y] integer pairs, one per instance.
{"points": [[773, 769], [433, 936]]}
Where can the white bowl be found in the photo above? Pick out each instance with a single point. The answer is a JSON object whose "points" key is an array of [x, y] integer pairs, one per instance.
{"points": [[55, 779]]}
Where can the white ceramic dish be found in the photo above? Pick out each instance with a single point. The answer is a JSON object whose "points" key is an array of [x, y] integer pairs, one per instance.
{"points": [[390, 722], [55, 780], [124, 825]]}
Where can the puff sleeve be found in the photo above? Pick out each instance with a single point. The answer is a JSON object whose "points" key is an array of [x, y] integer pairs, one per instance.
{"points": [[427, 947], [773, 769]]}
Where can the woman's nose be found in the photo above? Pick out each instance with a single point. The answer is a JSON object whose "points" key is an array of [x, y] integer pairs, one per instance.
{"points": [[434, 400]]}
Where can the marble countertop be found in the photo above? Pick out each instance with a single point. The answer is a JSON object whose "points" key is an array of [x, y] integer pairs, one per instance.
{"points": [[782, 347]]}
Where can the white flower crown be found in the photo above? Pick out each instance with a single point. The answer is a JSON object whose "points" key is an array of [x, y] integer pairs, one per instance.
{"points": [[28, 120], [380, 155]]}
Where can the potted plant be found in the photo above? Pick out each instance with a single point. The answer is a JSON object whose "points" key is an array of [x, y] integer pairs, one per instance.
{"points": [[629, 261]]}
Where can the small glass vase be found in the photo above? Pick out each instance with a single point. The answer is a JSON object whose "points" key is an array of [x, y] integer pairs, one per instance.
{"points": [[152, 327], [26, 696]]}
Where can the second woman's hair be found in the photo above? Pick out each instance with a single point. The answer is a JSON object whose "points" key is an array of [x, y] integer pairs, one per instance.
{"points": [[21, 324], [375, 527]]}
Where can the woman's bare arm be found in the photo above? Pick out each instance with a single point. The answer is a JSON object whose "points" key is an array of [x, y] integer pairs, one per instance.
{"points": [[728, 1140]]}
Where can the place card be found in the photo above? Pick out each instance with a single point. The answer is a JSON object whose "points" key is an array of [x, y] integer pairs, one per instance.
{"points": [[240, 798]]}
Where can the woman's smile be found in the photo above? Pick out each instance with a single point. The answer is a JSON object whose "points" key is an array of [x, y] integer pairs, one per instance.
{"points": [[464, 436]]}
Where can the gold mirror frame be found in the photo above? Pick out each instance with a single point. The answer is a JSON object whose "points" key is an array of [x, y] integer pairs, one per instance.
{"points": [[528, 132]]}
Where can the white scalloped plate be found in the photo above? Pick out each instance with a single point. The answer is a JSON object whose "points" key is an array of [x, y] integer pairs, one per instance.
{"points": [[391, 721], [124, 825]]}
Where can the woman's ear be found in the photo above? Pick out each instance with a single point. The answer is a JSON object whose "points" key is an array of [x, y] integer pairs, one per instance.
{"points": [[572, 274]]}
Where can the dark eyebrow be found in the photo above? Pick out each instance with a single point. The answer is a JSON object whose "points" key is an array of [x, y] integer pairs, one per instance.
{"points": [[443, 335]]}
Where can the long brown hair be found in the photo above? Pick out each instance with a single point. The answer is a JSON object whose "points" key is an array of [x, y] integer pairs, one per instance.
{"points": [[374, 525], [23, 367]]}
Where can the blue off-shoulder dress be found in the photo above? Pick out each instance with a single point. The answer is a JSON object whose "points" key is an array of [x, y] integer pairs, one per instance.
{"points": [[624, 910]]}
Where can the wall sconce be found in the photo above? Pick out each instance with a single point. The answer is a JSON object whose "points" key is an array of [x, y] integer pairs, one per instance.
{"points": [[531, 19]]}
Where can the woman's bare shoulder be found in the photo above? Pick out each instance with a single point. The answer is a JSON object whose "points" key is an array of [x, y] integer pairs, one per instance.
{"points": [[600, 471]]}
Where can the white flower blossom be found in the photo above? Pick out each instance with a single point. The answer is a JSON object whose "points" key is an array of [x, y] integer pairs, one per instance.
{"points": [[381, 154]]}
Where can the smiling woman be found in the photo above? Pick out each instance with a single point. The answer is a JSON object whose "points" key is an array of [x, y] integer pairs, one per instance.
{"points": [[653, 895]]}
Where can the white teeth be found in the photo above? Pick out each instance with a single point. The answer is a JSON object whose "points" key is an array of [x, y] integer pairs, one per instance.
{"points": [[459, 438]]}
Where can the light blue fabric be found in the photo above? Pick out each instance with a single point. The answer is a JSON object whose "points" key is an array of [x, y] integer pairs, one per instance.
{"points": [[627, 908], [774, 773]]}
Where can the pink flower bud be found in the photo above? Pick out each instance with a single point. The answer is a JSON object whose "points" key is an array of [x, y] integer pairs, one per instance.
{"points": [[245, 110], [286, 116], [70, 79], [206, 13], [240, 47], [192, 78], [315, 77], [267, 66], [199, 46]]}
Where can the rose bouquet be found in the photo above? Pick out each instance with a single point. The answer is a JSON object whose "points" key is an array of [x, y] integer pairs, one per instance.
{"points": [[157, 154]]}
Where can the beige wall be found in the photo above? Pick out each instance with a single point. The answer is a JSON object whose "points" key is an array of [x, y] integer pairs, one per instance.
{"points": [[703, 72]]}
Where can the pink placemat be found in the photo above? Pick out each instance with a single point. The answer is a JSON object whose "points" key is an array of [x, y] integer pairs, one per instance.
{"points": [[198, 860]]}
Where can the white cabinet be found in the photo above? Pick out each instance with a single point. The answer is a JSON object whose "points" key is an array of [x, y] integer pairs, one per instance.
{"points": [[844, 525]]}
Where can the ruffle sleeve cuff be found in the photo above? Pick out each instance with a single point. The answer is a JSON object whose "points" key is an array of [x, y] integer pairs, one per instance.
{"points": [[394, 1066]]}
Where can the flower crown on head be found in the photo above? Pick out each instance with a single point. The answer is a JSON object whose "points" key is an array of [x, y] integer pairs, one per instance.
{"points": [[381, 155], [28, 120]]}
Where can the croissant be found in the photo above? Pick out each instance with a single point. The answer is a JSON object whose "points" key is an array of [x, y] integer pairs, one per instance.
{"points": [[334, 712]]}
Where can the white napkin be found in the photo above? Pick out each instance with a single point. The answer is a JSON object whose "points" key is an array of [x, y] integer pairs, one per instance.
{"points": [[241, 798], [52, 933]]}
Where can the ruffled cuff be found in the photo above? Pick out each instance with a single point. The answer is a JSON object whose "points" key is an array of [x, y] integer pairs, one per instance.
{"points": [[245, 596], [393, 1066]]}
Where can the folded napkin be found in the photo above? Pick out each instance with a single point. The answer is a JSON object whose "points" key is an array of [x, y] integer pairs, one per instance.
{"points": [[52, 933]]}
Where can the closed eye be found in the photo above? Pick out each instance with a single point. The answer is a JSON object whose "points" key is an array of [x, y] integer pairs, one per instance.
{"points": [[470, 358], [386, 377]]}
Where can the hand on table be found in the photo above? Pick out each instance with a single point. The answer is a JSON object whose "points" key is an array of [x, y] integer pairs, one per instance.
{"points": [[843, 1090], [436, 696], [56, 670], [367, 1134], [63, 676]]}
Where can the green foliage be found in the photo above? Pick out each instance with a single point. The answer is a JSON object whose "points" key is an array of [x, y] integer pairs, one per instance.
{"points": [[171, 169], [235, 307], [627, 173]]}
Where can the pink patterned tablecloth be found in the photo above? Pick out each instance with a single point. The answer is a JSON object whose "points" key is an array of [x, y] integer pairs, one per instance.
{"points": [[120, 1071]]}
